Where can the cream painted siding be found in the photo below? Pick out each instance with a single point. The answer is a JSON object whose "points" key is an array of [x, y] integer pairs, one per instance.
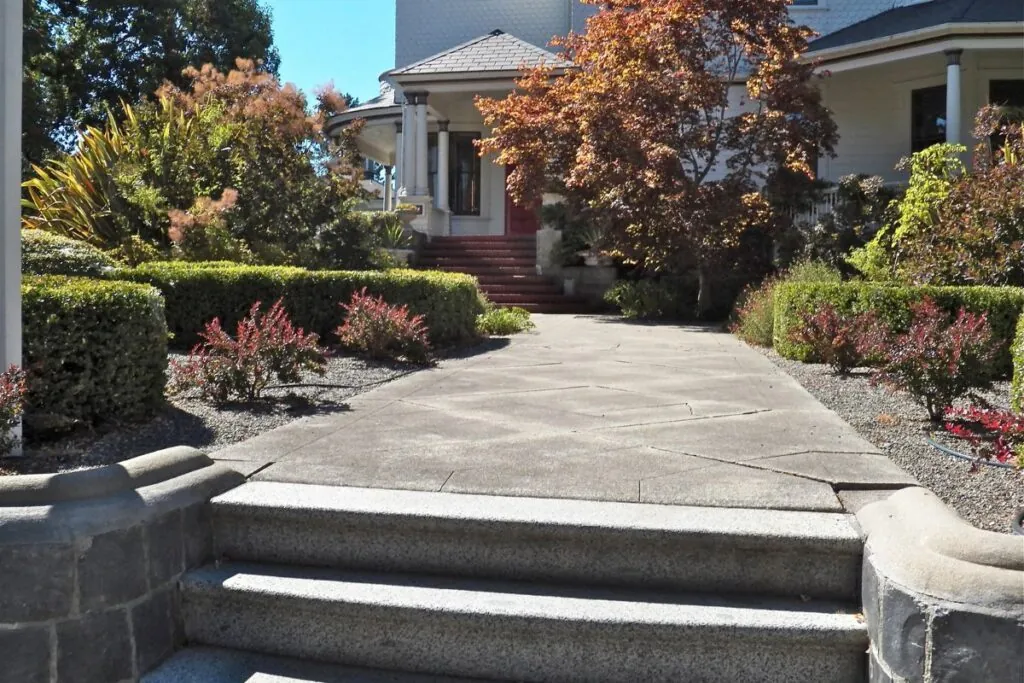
{"points": [[832, 15], [427, 27], [872, 107]]}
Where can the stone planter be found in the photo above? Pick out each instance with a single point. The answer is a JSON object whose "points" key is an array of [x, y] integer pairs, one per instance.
{"points": [[591, 281], [1017, 523], [90, 563], [401, 256], [569, 286]]}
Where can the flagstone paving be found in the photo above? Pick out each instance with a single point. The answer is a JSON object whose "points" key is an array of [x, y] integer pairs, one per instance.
{"points": [[595, 408]]}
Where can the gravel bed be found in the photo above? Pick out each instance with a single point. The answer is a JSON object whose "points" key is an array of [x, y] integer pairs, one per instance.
{"points": [[191, 422], [898, 426]]}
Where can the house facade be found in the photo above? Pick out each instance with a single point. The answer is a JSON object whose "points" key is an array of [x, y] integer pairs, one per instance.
{"points": [[901, 75]]}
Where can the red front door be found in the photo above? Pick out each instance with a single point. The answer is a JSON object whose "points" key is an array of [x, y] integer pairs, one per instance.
{"points": [[519, 220]]}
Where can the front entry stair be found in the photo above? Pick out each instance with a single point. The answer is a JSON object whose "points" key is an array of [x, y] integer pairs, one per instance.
{"points": [[506, 268], [333, 584]]}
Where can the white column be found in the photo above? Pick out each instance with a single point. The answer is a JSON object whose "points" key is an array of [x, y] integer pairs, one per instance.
{"points": [[442, 166], [409, 149], [387, 189], [399, 157], [953, 106], [10, 186], [422, 148]]}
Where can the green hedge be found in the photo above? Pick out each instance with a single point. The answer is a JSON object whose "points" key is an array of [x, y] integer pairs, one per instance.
{"points": [[892, 304], [94, 349], [196, 293], [43, 253], [1017, 388]]}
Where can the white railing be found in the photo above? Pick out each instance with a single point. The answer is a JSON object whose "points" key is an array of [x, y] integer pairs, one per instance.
{"points": [[827, 205]]}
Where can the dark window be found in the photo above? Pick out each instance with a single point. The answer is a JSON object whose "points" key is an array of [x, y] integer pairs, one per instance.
{"points": [[1006, 93], [805, 3], [464, 165], [928, 117], [432, 164]]}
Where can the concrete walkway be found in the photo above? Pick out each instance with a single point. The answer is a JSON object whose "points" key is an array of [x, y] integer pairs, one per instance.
{"points": [[593, 408]]}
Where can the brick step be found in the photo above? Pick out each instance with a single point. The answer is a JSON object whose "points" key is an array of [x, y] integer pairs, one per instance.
{"points": [[448, 252], [485, 271], [525, 289], [485, 239], [464, 262], [514, 281], [519, 299], [564, 308]]}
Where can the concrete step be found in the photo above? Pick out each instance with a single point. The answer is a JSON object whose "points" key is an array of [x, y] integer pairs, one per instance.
{"points": [[521, 632], [218, 665], [712, 550]]}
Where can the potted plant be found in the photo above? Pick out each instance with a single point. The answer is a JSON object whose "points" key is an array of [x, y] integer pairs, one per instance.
{"points": [[395, 239], [407, 213], [593, 255]]}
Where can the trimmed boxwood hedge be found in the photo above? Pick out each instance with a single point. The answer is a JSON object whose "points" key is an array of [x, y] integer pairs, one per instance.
{"points": [[196, 293], [43, 253], [892, 304], [1017, 387], [94, 349]]}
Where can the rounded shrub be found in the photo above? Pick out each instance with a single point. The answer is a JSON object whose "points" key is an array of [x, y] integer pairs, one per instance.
{"points": [[197, 293], [44, 253], [94, 350]]}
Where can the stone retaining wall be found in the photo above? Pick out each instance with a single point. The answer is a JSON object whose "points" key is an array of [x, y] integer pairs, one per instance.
{"points": [[944, 601], [89, 564]]}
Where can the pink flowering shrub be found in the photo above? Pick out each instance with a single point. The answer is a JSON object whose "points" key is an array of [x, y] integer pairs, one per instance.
{"points": [[12, 403], [937, 361], [376, 329], [266, 346], [995, 434]]}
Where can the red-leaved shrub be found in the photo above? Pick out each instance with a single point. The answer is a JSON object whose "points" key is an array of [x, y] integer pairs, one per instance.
{"points": [[995, 434], [12, 403], [841, 341], [266, 346], [376, 329], [938, 362]]}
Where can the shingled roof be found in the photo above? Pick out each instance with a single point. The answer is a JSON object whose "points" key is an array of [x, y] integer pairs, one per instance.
{"points": [[496, 51], [921, 16]]}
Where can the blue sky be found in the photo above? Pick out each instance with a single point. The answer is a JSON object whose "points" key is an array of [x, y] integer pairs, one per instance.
{"points": [[348, 41]]}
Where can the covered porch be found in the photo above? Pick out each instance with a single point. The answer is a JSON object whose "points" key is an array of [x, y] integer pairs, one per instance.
{"points": [[423, 128]]}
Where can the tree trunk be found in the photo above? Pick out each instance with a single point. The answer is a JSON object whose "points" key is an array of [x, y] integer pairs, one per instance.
{"points": [[704, 289]]}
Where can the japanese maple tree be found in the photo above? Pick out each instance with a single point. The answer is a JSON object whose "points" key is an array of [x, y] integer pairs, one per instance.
{"points": [[674, 115]]}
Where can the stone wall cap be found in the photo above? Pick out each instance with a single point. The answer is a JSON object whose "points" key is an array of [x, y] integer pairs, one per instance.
{"points": [[925, 546], [145, 470]]}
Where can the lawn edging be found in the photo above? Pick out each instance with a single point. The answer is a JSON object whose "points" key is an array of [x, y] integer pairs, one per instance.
{"points": [[195, 293], [892, 303], [941, 598], [91, 561]]}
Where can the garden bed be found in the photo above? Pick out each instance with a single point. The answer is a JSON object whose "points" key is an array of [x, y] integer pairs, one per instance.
{"points": [[899, 427], [191, 422]]}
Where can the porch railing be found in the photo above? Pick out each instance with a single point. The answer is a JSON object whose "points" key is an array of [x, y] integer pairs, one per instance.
{"points": [[826, 206]]}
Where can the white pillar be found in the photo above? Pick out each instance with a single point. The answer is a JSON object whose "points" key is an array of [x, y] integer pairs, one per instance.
{"points": [[10, 186], [422, 148], [409, 149], [953, 106], [399, 157], [442, 166], [387, 189]]}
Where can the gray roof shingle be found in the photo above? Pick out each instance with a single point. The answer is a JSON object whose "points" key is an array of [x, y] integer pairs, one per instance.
{"points": [[921, 16], [496, 51]]}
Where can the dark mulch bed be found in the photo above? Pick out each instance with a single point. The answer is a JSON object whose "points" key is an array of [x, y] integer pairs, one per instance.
{"points": [[191, 422], [986, 497]]}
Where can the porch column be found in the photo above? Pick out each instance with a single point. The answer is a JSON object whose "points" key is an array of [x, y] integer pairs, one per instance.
{"points": [[399, 157], [953, 109], [10, 187], [442, 165], [409, 147], [422, 148], [387, 189]]}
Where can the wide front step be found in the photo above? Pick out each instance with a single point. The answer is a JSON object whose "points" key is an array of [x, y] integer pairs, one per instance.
{"points": [[219, 665], [519, 632], [713, 550]]}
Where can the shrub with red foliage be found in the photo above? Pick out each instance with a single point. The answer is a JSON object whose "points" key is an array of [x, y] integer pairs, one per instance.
{"points": [[376, 329], [842, 341], [12, 403], [266, 346], [938, 362], [995, 434]]}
